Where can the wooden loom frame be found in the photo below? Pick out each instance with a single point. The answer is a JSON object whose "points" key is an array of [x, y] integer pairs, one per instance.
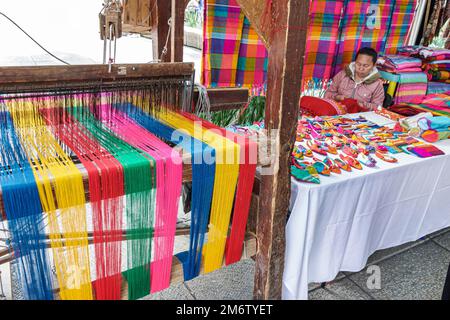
{"points": [[281, 24], [40, 78]]}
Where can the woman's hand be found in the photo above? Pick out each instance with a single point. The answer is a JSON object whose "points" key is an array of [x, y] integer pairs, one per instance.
{"points": [[339, 97]]}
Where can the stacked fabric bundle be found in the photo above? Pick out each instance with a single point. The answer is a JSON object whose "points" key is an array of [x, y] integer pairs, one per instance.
{"points": [[435, 63], [399, 64], [430, 128], [434, 54], [437, 87], [406, 86], [438, 70], [410, 51]]}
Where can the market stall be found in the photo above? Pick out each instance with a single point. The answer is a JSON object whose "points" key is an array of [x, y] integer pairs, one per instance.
{"points": [[337, 224]]}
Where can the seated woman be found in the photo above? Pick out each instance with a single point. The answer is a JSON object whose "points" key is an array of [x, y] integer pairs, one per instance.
{"points": [[358, 86]]}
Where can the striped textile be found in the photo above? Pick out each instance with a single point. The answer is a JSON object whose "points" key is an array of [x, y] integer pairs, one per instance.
{"points": [[399, 63], [433, 54], [437, 87], [410, 86], [438, 104], [411, 51], [232, 53], [402, 17], [351, 33], [322, 37], [443, 76], [410, 109]]}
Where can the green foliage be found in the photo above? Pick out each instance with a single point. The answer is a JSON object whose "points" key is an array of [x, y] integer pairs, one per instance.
{"points": [[193, 17], [254, 112]]}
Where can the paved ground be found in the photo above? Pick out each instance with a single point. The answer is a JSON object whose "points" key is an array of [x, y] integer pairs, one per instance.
{"points": [[414, 271]]}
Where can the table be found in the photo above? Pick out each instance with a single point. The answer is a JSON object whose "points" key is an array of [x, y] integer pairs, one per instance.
{"points": [[337, 225]]}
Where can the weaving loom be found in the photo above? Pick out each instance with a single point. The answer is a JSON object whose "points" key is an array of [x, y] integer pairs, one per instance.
{"points": [[91, 170]]}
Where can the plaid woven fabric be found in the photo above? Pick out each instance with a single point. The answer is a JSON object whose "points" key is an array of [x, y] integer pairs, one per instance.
{"points": [[351, 33], [376, 28], [402, 17], [322, 37], [232, 53], [253, 58]]}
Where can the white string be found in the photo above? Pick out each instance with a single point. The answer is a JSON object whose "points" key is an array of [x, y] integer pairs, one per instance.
{"points": [[203, 105]]}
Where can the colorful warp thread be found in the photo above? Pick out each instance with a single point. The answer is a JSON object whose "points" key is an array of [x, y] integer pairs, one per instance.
{"points": [[227, 168], [168, 181], [106, 190], [139, 183], [203, 174], [60, 186], [410, 85], [24, 213], [247, 170], [232, 53]]}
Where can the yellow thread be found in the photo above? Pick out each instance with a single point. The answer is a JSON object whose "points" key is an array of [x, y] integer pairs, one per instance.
{"points": [[227, 169], [64, 197]]}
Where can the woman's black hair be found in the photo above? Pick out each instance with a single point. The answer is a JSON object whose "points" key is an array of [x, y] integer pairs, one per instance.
{"points": [[368, 52]]}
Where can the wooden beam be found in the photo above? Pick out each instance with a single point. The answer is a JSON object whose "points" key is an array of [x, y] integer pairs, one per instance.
{"points": [[282, 25], [225, 98], [82, 73]]}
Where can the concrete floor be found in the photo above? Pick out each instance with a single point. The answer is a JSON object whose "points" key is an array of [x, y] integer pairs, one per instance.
{"points": [[413, 271]]}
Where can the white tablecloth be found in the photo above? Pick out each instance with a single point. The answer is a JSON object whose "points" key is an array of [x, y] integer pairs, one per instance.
{"points": [[337, 225]]}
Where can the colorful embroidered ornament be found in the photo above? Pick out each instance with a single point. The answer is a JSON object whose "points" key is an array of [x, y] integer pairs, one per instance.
{"points": [[332, 165], [351, 161], [366, 160], [304, 175], [385, 157], [315, 148], [342, 165]]}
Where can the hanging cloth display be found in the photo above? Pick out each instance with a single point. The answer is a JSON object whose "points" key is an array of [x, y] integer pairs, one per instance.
{"points": [[233, 54]]}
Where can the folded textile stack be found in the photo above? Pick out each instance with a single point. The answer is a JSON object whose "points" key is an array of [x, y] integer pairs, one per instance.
{"points": [[406, 86], [434, 54], [410, 51], [430, 128], [437, 87], [438, 70], [436, 63], [434, 128], [399, 64], [438, 104]]}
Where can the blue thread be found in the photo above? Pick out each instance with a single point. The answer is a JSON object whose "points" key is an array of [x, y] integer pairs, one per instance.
{"points": [[203, 172]]}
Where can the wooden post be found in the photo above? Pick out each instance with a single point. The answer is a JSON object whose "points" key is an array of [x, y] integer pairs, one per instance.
{"points": [[177, 34], [164, 10], [281, 24], [160, 29]]}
